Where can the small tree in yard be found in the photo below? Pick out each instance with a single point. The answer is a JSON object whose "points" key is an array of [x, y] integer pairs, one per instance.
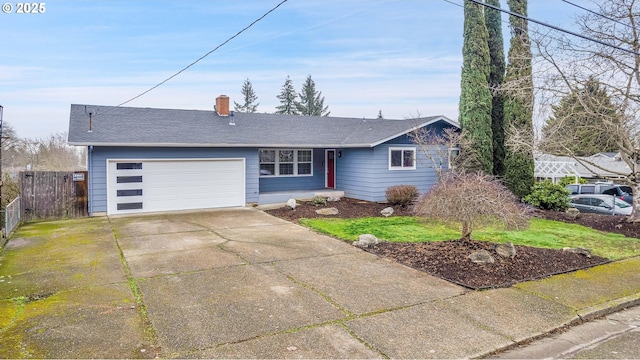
{"points": [[472, 201]]}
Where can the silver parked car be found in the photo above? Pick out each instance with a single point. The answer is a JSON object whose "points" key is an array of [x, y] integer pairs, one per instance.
{"points": [[600, 204]]}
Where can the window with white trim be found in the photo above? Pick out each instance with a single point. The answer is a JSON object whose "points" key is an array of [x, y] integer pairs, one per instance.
{"points": [[454, 152], [286, 162], [402, 158]]}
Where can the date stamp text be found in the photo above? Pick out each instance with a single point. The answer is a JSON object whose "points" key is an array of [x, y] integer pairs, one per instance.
{"points": [[24, 8]]}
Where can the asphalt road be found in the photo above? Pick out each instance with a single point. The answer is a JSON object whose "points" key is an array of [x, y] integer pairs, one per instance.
{"points": [[616, 336]]}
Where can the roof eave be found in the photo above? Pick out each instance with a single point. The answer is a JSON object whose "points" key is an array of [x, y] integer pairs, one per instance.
{"points": [[198, 145], [421, 125]]}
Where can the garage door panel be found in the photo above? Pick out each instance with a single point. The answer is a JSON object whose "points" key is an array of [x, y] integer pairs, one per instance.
{"points": [[165, 185]]}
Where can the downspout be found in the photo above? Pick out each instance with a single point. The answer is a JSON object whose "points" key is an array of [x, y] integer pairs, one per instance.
{"points": [[90, 179]]}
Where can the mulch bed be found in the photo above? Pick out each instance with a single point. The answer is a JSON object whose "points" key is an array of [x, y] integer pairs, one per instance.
{"points": [[449, 259]]}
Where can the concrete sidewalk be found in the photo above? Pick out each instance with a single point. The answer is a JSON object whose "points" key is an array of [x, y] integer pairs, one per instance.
{"points": [[242, 284]]}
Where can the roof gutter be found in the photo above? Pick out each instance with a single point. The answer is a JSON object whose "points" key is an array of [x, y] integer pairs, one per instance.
{"points": [[191, 145]]}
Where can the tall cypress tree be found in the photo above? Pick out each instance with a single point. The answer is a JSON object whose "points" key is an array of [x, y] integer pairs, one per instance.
{"points": [[475, 96], [518, 105], [496, 77]]}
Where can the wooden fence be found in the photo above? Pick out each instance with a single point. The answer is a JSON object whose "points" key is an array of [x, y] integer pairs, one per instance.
{"points": [[53, 194]]}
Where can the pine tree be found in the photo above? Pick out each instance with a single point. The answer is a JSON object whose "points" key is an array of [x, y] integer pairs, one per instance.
{"points": [[250, 105], [311, 101], [496, 77], [288, 99], [582, 123], [518, 105], [380, 115], [475, 96]]}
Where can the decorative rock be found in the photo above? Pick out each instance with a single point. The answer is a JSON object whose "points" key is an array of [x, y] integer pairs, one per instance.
{"points": [[507, 250], [387, 211], [579, 250], [572, 213], [481, 257], [366, 240], [327, 211], [291, 203], [334, 198]]}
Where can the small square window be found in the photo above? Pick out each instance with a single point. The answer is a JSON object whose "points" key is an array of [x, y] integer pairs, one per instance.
{"points": [[402, 158]]}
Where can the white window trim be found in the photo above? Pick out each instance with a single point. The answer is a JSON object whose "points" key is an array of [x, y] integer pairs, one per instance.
{"points": [[295, 163], [453, 152], [403, 149]]}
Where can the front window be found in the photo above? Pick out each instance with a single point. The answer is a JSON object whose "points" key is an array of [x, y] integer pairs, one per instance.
{"points": [[402, 158], [286, 162]]}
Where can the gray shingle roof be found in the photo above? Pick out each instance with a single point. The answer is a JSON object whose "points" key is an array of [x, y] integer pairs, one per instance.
{"points": [[130, 126]]}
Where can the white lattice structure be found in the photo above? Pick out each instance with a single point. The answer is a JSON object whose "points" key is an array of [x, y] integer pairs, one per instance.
{"points": [[554, 170], [596, 167]]}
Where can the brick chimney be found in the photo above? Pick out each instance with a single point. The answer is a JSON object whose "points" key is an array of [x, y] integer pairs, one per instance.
{"points": [[222, 105]]}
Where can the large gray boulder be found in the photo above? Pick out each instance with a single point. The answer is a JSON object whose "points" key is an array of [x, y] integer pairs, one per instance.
{"points": [[327, 211], [572, 213], [386, 212], [291, 203], [506, 250], [579, 250], [366, 240], [481, 257]]}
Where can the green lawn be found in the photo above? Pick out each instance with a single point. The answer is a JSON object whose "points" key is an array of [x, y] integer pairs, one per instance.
{"points": [[540, 233]]}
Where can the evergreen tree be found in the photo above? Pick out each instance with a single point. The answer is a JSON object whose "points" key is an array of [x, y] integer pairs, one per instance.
{"points": [[250, 105], [311, 101], [518, 105], [380, 114], [496, 77], [581, 123], [287, 97], [475, 96]]}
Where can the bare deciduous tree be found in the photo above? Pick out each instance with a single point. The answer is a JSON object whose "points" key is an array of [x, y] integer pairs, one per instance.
{"points": [[52, 153], [472, 201], [566, 63], [440, 149]]}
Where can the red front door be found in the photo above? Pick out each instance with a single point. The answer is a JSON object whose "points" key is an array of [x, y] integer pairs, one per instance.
{"points": [[331, 169]]}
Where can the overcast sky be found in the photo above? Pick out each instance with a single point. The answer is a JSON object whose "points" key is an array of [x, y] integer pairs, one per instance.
{"points": [[399, 57]]}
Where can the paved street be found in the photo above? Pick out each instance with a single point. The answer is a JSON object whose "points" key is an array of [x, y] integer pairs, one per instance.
{"points": [[617, 336]]}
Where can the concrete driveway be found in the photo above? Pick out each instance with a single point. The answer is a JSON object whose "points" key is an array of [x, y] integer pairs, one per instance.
{"points": [[241, 283], [234, 283]]}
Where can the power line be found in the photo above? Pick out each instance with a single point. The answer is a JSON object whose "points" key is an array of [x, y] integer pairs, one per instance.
{"points": [[202, 57], [479, 2], [511, 25], [598, 14]]}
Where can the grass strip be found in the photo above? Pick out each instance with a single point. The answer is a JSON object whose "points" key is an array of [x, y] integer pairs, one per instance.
{"points": [[541, 233]]}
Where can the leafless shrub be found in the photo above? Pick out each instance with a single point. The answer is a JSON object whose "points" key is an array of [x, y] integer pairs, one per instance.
{"points": [[472, 201], [402, 195]]}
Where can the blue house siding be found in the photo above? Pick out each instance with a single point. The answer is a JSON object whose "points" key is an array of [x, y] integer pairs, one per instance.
{"points": [[364, 173], [98, 167], [286, 183]]}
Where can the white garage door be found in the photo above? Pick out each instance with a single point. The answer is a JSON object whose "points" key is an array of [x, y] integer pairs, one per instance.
{"points": [[136, 186]]}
